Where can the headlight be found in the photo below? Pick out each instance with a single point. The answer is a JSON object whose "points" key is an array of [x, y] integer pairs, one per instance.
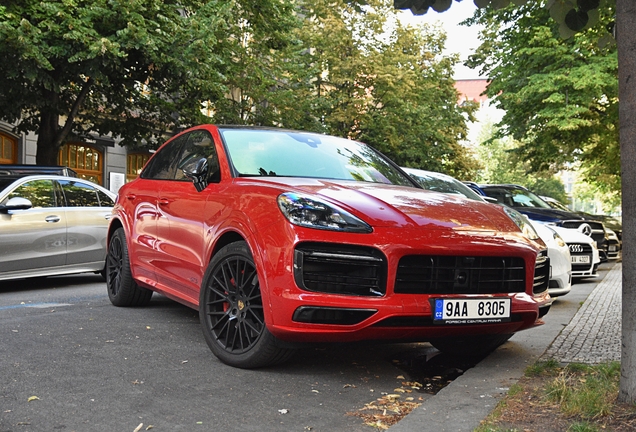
{"points": [[558, 239], [309, 212], [522, 223]]}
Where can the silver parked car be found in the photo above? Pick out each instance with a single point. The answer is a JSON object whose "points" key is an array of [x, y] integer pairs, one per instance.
{"points": [[52, 225]]}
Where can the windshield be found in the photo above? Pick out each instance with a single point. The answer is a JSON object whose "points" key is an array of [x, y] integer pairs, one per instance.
{"points": [[442, 183], [302, 154], [513, 197]]}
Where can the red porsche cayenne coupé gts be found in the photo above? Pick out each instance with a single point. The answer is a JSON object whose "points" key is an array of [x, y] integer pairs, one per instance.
{"points": [[279, 237]]}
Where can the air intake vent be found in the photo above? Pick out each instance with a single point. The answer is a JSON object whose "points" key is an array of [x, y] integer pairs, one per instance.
{"points": [[430, 274], [541, 273], [340, 269]]}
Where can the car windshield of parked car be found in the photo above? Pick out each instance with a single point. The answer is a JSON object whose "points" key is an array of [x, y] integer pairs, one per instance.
{"points": [[301, 154], [516, 197], [441, 183]]}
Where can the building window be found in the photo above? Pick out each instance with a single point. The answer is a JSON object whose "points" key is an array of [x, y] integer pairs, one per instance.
{"points": [[134, 165], [8, 150], [86, 161]]}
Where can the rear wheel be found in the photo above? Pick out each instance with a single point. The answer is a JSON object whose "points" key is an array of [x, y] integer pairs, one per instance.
{"points": [[470, 346], [122, 288], [231, 311]]}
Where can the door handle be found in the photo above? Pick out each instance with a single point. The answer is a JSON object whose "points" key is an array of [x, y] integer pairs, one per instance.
{"points": [[52, 219], [131, 197], [164, 201]]}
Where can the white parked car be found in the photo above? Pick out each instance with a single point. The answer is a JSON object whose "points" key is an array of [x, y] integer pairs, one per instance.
{"points": [[560, 259], [583, 252]]}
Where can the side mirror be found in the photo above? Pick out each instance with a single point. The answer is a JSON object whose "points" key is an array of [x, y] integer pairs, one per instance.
{"points": [[16, 203], [197, 171]]}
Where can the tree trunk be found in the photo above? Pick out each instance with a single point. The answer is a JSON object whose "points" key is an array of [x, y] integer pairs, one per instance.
{"points": [[626, 38], [47, 144]]}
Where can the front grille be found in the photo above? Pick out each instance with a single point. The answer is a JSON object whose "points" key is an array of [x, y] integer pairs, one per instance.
{"points": [[340, 269], [591, 228], [541, 273], [433, 274], [580, 248]]}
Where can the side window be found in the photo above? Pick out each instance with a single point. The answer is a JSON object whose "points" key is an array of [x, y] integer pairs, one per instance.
{"points": [[40, 192], [104, 200], [79, 194], [163, 165], [200, 145]]}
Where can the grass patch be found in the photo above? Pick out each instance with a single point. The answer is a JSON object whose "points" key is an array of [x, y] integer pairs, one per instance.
{"points": [[588, 392], [572, 398]]}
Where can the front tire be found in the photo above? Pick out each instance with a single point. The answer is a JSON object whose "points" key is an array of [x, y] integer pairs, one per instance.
{"points": [[231, 311], [122, 288]]}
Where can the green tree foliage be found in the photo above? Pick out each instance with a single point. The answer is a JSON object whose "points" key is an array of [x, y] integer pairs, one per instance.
{"points": [[387, 85], [502, 164], [131, 68], [560, 97]]}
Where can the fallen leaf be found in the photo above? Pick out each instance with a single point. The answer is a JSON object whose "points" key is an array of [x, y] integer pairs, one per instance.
{"points": [[32, 398], [138, 428]]}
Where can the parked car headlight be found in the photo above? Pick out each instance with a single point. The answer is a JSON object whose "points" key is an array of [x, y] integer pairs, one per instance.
{"points": [[309, 212], [526, 228], [559, 240]]}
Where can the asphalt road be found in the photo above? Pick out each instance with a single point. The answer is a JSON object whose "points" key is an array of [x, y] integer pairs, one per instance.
{"points": [[70, 361]]}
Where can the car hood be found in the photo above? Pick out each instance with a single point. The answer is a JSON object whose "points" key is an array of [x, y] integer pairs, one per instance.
{"points": [[548, 215], [572, 236], [392, 206]]}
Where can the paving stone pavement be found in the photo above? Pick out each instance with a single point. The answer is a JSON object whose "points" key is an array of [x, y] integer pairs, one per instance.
{"points": [[594, 334]]}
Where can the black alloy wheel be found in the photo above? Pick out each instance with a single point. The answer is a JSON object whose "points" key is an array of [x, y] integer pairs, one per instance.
{"points": [[231, 311], [122, 289]]}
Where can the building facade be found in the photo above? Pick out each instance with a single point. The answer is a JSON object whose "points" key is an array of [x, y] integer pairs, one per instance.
{"points": [[99, 159]]}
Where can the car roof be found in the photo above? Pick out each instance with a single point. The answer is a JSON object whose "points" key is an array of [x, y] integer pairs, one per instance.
{"points": [[5, 181], [18, 171], [503, 185]]}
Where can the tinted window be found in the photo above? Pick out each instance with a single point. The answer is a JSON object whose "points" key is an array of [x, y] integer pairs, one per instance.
{"points": [[163, 165], [79, 194], [515, 197], [39, 192], [440, 183], [199, 145], [104, 200]]}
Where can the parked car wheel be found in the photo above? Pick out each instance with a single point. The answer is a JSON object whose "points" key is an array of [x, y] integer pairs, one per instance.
{"points": [[122, 289], [231, 311], [470, 346]]}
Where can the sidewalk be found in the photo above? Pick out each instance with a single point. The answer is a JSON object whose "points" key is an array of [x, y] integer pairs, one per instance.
{"points": [[572, 333], [594, 334]]}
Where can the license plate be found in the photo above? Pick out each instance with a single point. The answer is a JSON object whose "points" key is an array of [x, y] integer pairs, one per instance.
{"points": [[471, 311], [580, 259], [613, 248]]}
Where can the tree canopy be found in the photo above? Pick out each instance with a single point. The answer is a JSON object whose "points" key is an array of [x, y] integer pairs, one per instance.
{"points": [[130, 68], [141, 69], [560, 97]]}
